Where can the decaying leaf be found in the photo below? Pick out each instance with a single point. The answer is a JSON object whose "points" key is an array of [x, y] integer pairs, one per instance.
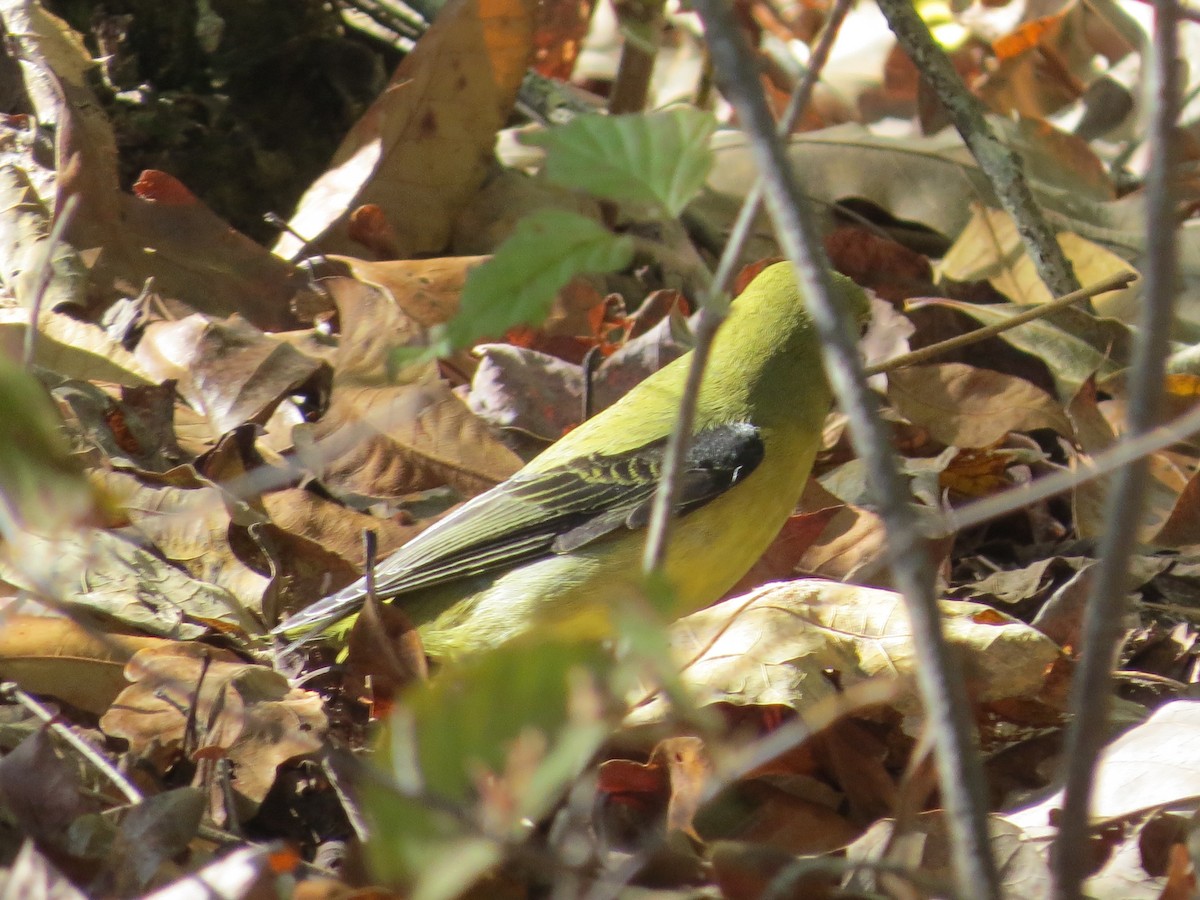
{"points": [[60, 658], [963, 406]]}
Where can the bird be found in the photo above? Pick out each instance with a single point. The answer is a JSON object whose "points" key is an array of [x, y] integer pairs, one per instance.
{"points": [[559, 543]]}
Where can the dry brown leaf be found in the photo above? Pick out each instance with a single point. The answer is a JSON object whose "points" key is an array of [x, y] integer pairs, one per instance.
{"points": [[387, 438], [229, 371], [199, 700], [105, 575], [390, 442], [193, 523], [1095, 434], [308, 514], [990, 249], [852, 541], [59, 658], [963, 406], [421, 151], [426, 290]]}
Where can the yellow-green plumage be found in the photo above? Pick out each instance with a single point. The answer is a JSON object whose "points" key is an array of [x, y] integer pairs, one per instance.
{"points": [[764, 371]]}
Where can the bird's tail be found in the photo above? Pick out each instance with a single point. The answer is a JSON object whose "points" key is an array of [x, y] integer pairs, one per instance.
{"points": [[312, 623]]}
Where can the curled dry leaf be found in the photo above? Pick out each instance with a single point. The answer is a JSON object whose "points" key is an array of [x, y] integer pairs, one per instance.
{"points": [[778, 644], [229, 371], [386, 437], [195, 524]]}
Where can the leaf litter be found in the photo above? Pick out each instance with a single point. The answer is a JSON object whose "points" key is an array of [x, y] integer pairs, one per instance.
{"points": [[227, 445]]}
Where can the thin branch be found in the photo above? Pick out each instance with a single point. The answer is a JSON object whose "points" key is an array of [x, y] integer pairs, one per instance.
{"points": [[942, 686], [797, 104], [1111, 460], [1104, 614], [998, 162], [712, 314], [82, 747], [916, 357]]}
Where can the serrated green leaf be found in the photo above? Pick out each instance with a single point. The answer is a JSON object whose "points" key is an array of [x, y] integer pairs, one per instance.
{"points": [[661, 157], [518, 284]]}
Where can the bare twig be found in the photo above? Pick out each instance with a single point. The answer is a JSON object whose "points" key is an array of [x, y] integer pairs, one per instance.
{"points": [[1111, 460], [1103, 616], [712, 313], [1112, 283], [82, 747], [999, 163], [797, 104], [942, 686]]}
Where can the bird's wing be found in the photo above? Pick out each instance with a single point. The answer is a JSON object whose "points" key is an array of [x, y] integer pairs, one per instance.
{"points": [[556, 510]]}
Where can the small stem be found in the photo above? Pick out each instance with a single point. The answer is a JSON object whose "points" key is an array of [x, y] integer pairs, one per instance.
{"points": [[1104, 614], [998, 162]]}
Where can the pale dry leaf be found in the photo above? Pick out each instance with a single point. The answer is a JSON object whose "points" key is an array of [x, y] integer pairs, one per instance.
{"points": [[1156, 763], [99, 573], [777, 644]]}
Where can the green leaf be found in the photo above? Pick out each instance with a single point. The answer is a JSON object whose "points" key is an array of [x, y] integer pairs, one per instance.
{"points": [[519, 283], [524, 716], [661, 157], [40, 483]]}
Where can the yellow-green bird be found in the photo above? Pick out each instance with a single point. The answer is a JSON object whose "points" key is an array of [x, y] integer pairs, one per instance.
{"points": [[561, 540]]}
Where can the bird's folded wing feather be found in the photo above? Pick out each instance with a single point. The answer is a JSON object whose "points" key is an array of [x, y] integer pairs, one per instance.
{"points": [[557, 510]]}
